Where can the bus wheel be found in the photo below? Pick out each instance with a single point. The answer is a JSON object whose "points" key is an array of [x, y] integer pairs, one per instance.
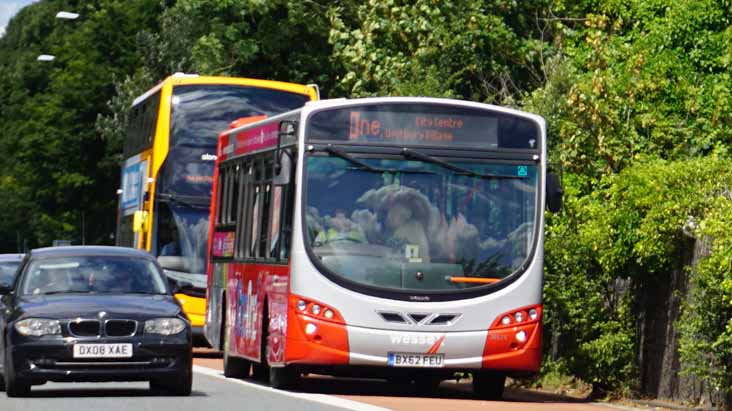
{"points": [[260, 370], [283, 377], [234, 367], [488, 386]]}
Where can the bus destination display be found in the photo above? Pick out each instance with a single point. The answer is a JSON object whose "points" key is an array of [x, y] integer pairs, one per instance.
{"points": [[424, 125]]}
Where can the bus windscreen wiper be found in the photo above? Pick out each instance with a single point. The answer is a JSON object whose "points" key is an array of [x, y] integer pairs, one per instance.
{"points": [[342, 154], [409, 153], [338, 153]]}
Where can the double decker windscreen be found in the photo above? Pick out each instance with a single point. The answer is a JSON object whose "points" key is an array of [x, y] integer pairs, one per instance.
{"points": [[198, 114], [435, 223]]}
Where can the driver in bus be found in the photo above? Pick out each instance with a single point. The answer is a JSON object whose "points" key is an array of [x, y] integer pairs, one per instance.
{"points": [[172, 247], [408, 232], [340, 228]]}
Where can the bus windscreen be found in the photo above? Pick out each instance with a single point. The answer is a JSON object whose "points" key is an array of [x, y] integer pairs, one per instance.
{"points": [[426, 124]]}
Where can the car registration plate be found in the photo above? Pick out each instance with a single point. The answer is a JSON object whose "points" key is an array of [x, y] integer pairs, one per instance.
{"points": [[397, 359], [103, 350]]}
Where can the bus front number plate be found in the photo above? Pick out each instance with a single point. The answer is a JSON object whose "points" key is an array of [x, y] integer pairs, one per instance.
{"points": [[397, 359]]}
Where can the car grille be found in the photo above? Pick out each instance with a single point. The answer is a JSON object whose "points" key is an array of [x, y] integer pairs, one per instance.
{"points": [[84, 328], [120, 328], [94, 328]]}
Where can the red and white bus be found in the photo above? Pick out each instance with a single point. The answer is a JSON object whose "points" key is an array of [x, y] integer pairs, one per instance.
{"points": [[397, 238]]}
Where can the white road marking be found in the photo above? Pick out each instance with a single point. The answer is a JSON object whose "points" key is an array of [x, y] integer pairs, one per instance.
{"points": [[319, 398]]}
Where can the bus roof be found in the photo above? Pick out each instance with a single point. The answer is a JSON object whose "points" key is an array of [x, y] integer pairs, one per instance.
{"points": [[178, 79]]}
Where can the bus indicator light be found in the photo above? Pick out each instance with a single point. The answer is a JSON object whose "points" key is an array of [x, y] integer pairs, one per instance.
{"points": [[506, 320], [328, 314], [533, 314]]}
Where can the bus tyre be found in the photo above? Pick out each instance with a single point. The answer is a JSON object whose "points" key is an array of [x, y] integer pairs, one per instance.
{"points": [[14, 387], [260, 371], [283, 377], [234, 367], [488, 386]]}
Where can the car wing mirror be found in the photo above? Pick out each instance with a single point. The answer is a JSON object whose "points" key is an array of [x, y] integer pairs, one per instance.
{"points": [[177, 287]]}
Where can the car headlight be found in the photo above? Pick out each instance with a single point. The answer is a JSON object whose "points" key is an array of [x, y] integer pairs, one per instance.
{"points": [[164, 326], [37, 327]]}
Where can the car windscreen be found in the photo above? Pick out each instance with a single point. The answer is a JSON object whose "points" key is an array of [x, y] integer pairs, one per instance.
{"points": [[92, 274], [7, 271]]}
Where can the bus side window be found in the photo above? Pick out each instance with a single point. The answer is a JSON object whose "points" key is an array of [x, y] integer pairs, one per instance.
{"points": [[244, 217], [265, 224], [221, 195], [256, 205], [274, 229], [288, 193]]}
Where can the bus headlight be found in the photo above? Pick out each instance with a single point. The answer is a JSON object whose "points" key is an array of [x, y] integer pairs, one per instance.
{"points": [[519, 316], [506, 320], [164, 326], [37, 327], [302, 305], [521, 336], [328, 314], [315, 309]]}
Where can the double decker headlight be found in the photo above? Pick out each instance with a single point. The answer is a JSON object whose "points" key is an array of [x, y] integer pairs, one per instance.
{"points": [[165, 326], [38, 327]]}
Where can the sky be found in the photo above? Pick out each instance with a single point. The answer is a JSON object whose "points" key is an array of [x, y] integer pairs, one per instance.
{"points": [[8, 8]]}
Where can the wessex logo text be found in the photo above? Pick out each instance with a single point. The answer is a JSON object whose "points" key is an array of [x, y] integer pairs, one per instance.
{"points": [[413, 339]]}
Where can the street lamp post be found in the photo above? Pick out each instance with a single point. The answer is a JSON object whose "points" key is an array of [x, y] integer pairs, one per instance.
{"points": [[64, 15], [67, 15]]}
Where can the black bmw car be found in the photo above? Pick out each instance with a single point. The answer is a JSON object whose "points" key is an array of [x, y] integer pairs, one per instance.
{"points": [[93, 314]]}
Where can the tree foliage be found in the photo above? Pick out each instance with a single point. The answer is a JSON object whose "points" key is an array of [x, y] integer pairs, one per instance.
{"points": [[482, 51]]}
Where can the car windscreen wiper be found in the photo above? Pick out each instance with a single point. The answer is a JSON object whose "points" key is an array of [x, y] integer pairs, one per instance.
{"points": [[64, 292], [409, 153], [364, 166]]}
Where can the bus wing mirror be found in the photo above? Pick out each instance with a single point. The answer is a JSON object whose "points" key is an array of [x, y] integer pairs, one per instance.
{"points": [[553, 193], [283, 169], [140, 222], [283, 158]]}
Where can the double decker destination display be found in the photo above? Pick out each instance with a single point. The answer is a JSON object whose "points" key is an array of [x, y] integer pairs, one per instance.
{"points": [[424, 125]]}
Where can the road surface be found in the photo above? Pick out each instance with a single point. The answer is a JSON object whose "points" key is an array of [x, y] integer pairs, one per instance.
{"points": [[211, 391]]}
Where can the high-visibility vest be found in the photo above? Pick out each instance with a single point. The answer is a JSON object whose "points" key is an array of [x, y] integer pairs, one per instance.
{"points": [[332, 234]]}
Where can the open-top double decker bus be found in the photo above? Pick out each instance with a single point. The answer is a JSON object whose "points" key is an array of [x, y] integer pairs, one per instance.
{"points": [[399, 238], [167, 176]]}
